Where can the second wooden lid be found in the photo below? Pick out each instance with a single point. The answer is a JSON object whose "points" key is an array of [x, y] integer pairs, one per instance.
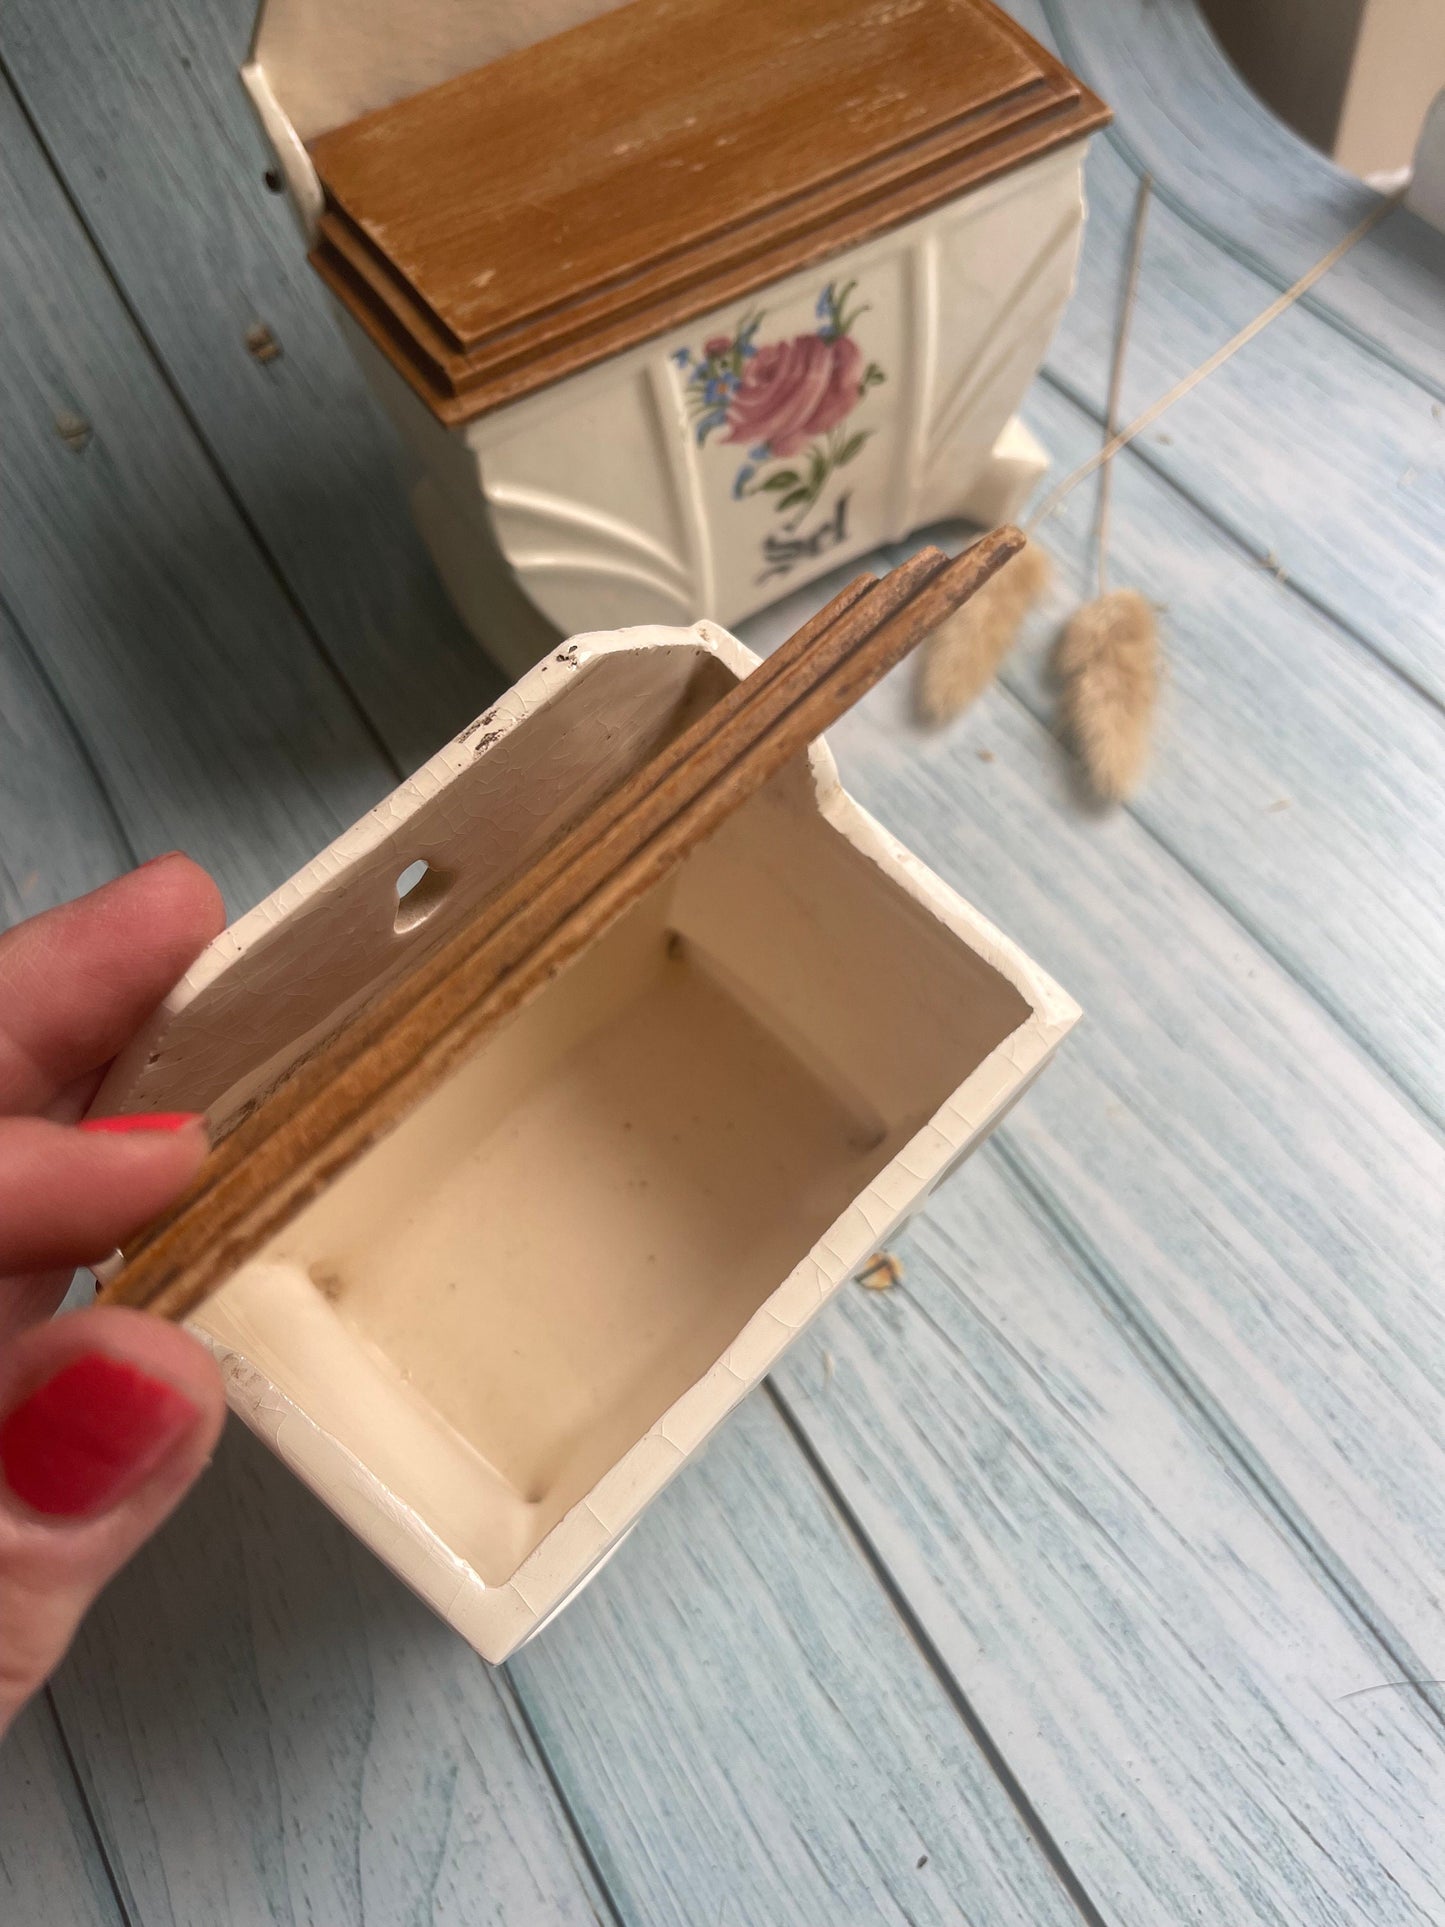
{"points": [[506, 228]]}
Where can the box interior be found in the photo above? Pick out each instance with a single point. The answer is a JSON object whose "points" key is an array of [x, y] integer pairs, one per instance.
{"points": [[507, 1292]]}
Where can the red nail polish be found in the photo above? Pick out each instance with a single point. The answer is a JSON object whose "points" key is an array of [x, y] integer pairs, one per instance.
{"points": [[140, 1121], [86, 1436]]}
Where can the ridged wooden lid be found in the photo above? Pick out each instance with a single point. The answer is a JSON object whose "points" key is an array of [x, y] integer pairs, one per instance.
{"points": [[567, 201]]}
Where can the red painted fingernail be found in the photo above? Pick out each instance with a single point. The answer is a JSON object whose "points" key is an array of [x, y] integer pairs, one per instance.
{"points": [[140, 1121], [88, 1435], [164, 857]]}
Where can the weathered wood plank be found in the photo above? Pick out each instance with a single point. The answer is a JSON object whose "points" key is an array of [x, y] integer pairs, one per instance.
{"points": [[1261, 1201], [272, 1728], [1196, 1727], [746, 1734], [51, 1871], [1294, 774], [1307, 446], [1310, 451], [1242, 178], [145, 117], [60, 837], [205, 707]]}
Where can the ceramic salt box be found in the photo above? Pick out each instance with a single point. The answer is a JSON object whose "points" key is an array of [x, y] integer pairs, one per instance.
{"points": [[498, 1333], [680, 303]]}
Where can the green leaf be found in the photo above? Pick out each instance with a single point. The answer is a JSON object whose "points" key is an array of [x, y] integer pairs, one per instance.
{"points": [[783, 478], [852, 445], [797, 498]]}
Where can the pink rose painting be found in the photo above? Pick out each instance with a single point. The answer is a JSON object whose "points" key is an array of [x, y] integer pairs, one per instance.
{"points": [[795, 390], [784, 400]]}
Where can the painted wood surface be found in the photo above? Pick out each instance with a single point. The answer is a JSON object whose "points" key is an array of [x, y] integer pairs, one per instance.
{"points": [[1368, 506], [60, 836], [1260, 1200], [1295, 774], [270, 1728], [1242, 179], [1085, 1566], [158, 620], [51, 1867], [1109, 1541], [1305, 448], [145, 119]]}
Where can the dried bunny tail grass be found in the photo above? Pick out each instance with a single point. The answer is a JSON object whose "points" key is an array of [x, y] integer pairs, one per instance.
{"points": [[962, 656], [1108, 663]]}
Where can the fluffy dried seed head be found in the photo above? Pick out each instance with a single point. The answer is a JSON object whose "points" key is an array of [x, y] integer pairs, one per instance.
{"points": [[1108, 663], [963, 655]]}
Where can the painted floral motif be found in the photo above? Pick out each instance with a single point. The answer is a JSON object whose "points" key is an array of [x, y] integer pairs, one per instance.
{"points": [[785, 401]]}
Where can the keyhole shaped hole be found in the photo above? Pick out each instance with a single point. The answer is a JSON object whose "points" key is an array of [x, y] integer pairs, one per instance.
{"points": [[419, 889]]}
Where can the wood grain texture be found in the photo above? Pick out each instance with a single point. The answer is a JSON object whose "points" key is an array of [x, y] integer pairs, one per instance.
{"points": [[1260, 1200], [60, 836], [200, 696], [1120, 1611], [1292, 772], [1309, 448], [1310, 452], [1246, 183], [271, 1728], [746, 1734], [581, 195], [143, 113], [51, 1870]]}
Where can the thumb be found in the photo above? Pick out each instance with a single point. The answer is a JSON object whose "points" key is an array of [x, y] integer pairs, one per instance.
{"points": [[106, 1417]]}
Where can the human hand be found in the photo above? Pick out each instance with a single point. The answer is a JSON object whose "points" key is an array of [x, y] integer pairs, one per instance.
{"points": [[106, 1416]]}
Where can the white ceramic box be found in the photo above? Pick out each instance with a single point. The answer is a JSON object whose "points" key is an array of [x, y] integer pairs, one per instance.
{"points": [[610, 497], [498, 1335], [706, 467]]}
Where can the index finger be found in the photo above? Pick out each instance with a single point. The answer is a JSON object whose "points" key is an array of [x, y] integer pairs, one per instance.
{"points": [[77, 982]]}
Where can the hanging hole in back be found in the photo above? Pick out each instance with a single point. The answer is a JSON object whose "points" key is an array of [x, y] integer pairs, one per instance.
{"points": [[419, 889]]}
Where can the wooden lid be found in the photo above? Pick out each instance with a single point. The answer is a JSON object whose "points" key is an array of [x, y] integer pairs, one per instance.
{"points": [[574, 198]]}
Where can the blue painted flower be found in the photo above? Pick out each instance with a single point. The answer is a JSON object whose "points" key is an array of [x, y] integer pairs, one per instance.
{"points": [[760, 453], [682, 357], [740, 481]]}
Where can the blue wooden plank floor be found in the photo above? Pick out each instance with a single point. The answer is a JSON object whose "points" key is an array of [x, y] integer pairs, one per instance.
{"points": [[1097, 1573]]}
